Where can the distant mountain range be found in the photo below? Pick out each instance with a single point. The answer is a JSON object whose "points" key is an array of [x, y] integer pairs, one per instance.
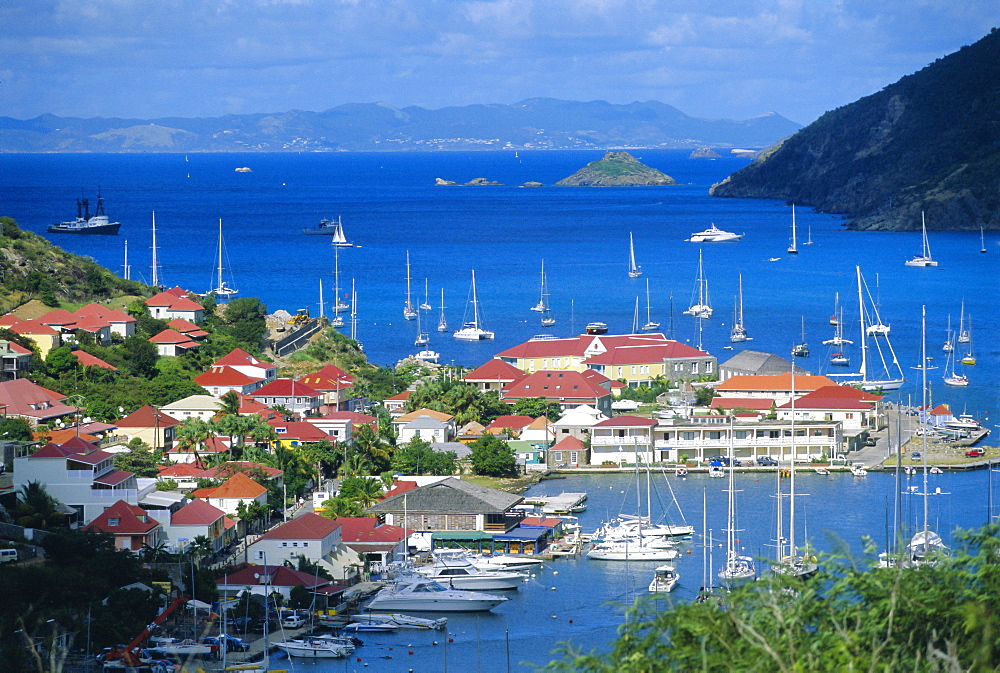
{"points": [[537, 123], [929, 142]]}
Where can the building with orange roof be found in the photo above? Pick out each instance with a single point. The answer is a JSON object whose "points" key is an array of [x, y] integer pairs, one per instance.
{"points": [[60, 436], [311, 535], [434, 426], [236, 490], [170, 342], [396, 405], [510, 425], [567, 388], [494, 375], [777, 387], [222, 379], [87, 360], [253, 367], [187, 327], [337, 387], [194, 519], [131, 526], [835, 403], [374, 544], [249, 406]]}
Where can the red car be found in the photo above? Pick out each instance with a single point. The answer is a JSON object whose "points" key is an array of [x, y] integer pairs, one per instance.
{"points": [[975, 453]]}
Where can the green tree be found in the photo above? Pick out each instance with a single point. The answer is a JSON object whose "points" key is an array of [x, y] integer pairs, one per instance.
{"points": [[375, 450], [139, 356], [229, 404], [537, 406], [418, 457], [335, 508], [244, 320], [139, 459], [299, 598], [704, 395], [15, 428], [61, 362], [35, 508], [366, 491], [192, 435], [493, 457]]}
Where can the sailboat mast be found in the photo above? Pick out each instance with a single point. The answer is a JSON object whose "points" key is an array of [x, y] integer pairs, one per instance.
{"points": [[354, 313], [126, 271], [156, 277], [923, 372], [321, 303], [219, 269], [475, 301], [791, 480], [864, 335]]}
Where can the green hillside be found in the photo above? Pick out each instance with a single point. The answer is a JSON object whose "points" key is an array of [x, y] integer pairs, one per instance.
{"points": [[616, 169], [33, 268], [929, 142]]}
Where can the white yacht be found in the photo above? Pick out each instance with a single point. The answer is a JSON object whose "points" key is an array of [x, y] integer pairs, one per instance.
{"points": [[314, 648], [458, 572], [425, 595], [665, 578], [714, 235], [633, 549], [471, 330], [924, 259]]}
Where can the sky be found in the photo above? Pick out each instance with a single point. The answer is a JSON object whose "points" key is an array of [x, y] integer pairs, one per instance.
{"points": [[716, 59]]}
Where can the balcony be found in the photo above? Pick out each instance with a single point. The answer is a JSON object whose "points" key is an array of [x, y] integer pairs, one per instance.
{"points": [[604, 440]]}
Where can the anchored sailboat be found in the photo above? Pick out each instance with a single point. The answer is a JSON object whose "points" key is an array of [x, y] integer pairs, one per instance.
{"points": [[634, 270], [471, 330], [793, 248], [739, 332], [700, 307], [951, 377], [969, 358], [221, 289], [738, 568], [426, 306], [801, 349], [924, 258], [409, 312], [337, 305], [890, 375], [442, 322], [543, 301], [650, 323]]}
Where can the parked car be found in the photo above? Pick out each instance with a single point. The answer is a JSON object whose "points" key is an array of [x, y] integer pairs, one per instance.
{"points": [[293, 621], [870, 441], [976, 453], [258, 626], [767, 461], [232, 643], [724, 460], [915, 455]]}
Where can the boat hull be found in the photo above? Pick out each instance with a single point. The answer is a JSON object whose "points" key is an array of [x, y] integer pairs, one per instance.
{"points": [[393, 603], [110, 229], [309, 651]]}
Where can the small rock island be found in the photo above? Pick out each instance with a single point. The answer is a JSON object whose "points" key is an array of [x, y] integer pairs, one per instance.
{"points": [[616, 169], [440, 182]]}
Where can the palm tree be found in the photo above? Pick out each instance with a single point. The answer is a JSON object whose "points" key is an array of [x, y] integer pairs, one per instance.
{"points": [[35, 508], [335, 508], [229, 404], [200, 547], [368, 493], [192, 434], [372, 446], [238, 427]]}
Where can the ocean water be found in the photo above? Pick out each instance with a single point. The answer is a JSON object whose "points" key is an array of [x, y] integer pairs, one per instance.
{"points": [[389, 205]]}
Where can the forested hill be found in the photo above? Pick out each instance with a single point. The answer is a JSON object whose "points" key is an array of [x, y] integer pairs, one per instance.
{"points": [[929, 142], [33, 268]]}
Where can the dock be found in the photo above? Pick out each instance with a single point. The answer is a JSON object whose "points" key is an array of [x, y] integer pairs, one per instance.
{"points": [[564, 503]]}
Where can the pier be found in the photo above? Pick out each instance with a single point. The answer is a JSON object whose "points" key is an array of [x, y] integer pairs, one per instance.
{"points": [[564, 503]]}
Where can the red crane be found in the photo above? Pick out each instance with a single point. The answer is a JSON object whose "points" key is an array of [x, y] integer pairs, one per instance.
{"points": [[127, 653]]}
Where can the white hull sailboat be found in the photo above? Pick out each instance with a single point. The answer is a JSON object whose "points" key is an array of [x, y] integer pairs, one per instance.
{"points": [[409, 312], [739, 331], [951, 377], [542, 304], [700, 307], [221, 289], [547, 319], [794, 247], [964, 336], [426, 306], [442, 321], [471, 330], [738, 568], [634, 270], [890, 375], [650, 323], [801, 349], [969, 358], [338, 305], [924, 258]]}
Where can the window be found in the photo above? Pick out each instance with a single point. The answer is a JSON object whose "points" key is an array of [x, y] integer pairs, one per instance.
{"points": [[714, 434], [708, 367], [633, 370], [688, 436], [573, 457], [741, 434], [557, 456], [694, 367], [114, 521]]}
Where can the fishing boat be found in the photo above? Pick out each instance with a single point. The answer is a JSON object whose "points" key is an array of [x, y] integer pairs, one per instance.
{"points": [[426, 306], [739, 333], [332, 228], [790, 560], [442, 321], [664, 580], [700, 307], [801, 349], [924, 258], [714, 235], [425, 595], [409, 311], [889, 375], [969, 358], [221, 289], [793, 248], [634, 270], [85, 223], [951, 377], [471, 329], [738, 568], [650, 323], [596, 328]]}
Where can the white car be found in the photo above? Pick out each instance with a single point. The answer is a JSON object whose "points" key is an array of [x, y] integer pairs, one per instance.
{"points": [[293, 621]]}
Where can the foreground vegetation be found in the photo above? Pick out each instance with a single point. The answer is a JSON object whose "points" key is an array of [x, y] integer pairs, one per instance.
{"points": [[849, 617]]}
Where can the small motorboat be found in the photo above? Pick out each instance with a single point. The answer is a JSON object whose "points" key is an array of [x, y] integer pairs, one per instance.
{"points": [[597, 328], [665, 578]]}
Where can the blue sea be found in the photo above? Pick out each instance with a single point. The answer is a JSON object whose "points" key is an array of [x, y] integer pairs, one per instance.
{"points": [[389, 205]]}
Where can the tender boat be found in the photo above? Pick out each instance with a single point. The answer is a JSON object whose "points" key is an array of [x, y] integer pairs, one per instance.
{"points": [[665, 578], [714, 235], [429, 596], [597, 328], [85, 223], [458, 572]]}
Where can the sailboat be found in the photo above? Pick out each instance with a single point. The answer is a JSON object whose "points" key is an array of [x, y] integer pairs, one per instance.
{"points": [[408, 311], [875, 325], [422, 337], [542, 293], [332, 228], [426, 306], [700, 307], [354, 316], [890, 376], [155, 264], [650, 323], [801, 349], [442, 322], [925, 545], [982, 240], [471, 330], [221, 289], [838, 357], [634, 270], [951, 378], [337, 304], [949, 340], [809, 236], [924, 258], [969, 358], [635, 317], [964, 336], [739, 332], [790, 561], [738, 568], [793, 248]]}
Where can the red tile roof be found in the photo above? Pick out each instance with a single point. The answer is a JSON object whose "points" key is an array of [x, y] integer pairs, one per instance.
{"points": [[162, 299], [297, 430], [576, 346], [647, 353], [285, 388], [400, 397], [626, 422], [555, 385], [238, 486], [131, 520], [495, 370], [170, 336], [185, 304], [813, 402], [513, 422], [23, 397], [367, 529], [113, 478], [224, 376], [18, 348], [760, 403], [180, 470], [87, 360], [398, 488], [568, 443], [232, 466], [196, 513], [774, 383], [60, 317], [277, 576], [328, 378], [544, 521], [147, 417], [52, 450], [309, 526], [238, 356], [29, 327], [97, 311]]}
